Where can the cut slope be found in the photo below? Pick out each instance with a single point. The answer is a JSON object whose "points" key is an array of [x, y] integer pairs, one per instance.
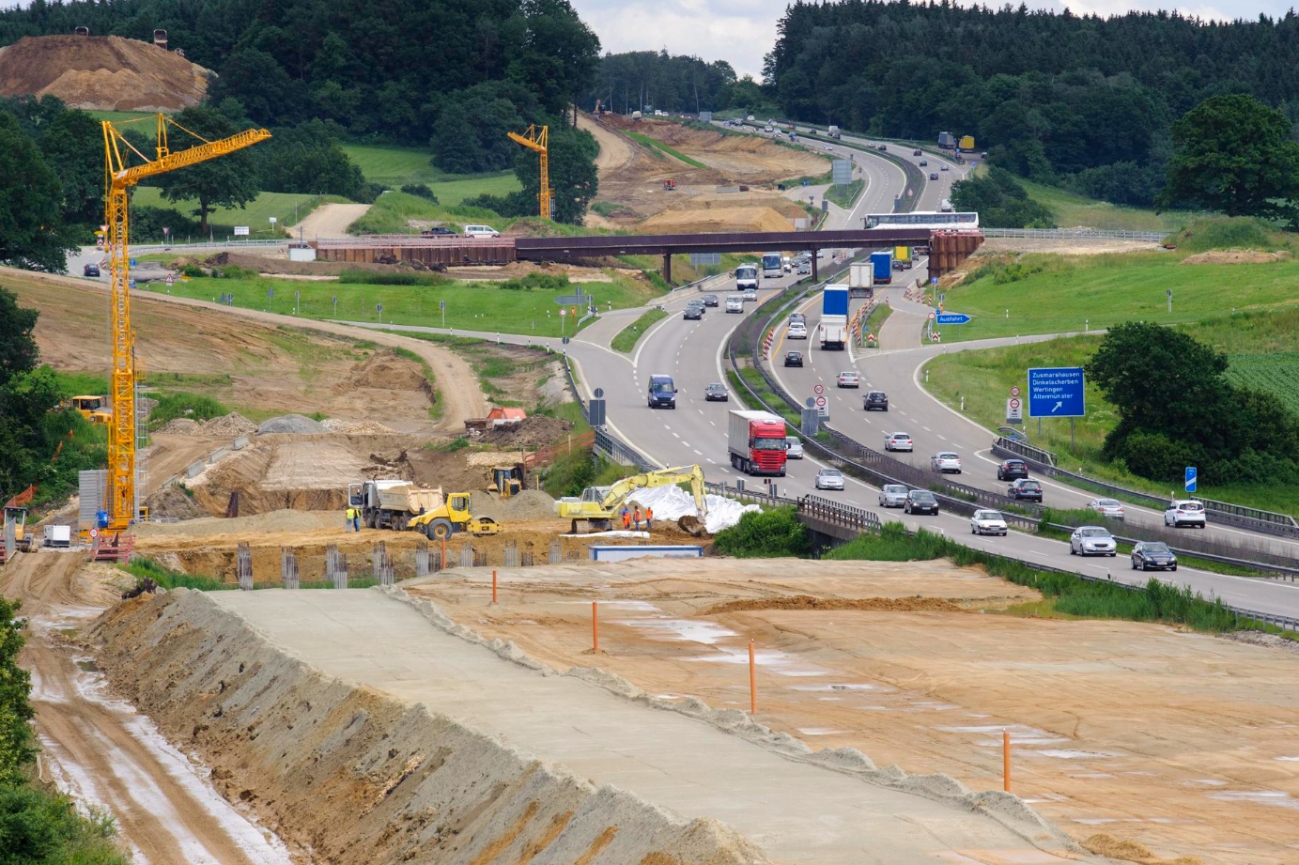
{"points": [[106, 73]]}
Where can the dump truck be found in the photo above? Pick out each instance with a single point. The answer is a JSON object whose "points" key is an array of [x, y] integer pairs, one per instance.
{"points": [[595, 509], [882, 267], [451, 517], [860, 280], [833, 328], [93, 408], [392, 504]]}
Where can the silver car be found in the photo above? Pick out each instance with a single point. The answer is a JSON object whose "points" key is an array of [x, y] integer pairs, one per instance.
{"points": [[829, 479], [794, 448], [945, 461], [893, 495], [1111, 508], [987, 523], [898, 441], [1092, 541]]}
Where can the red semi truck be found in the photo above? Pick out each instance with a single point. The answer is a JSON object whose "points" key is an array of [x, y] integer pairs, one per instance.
{"points": [[756, 440]]}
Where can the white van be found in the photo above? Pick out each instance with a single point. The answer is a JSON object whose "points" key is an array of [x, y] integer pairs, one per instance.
{"points": [[735, 303], [481, 231]]}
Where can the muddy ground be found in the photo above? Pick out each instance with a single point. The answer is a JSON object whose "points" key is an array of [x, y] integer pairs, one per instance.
{"points": [[1181, 744]]}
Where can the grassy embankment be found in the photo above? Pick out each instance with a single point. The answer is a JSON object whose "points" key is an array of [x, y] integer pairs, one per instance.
{"points": [[845, 196], [627, 338], [659, 149]]}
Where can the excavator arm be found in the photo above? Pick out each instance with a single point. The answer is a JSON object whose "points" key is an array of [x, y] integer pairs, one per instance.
{"points": [[694, 475]]}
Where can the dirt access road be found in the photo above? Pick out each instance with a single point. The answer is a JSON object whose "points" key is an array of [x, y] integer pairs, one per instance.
{"points": [[1180, 743], [329, 221], [616, 152], [99, 749]]}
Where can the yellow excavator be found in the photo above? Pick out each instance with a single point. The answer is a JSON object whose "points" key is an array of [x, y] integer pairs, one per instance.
{"points": [[594, 510]]}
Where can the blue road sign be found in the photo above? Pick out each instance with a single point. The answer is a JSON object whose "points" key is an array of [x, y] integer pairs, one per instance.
{"points": [[1056, 392], [1192, 479], [132, 262], [951, 318]]}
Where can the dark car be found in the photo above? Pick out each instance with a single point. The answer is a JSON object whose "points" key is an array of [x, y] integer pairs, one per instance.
{"points": [[1153, 554], [793, 358], [693, 312], [1025, 490], [875, 399], [711, 300], [921, 502], [437, 230], [716, 393], [90, 270], [915, 153], [933, 175], [1012, 470]]}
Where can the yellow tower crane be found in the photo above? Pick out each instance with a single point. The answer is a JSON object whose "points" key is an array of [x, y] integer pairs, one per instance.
{"points": [[538, 138], [119, 177]]}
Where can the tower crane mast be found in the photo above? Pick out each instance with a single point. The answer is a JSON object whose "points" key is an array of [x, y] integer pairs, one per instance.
{"points": [[119, 177], [538, 138]]}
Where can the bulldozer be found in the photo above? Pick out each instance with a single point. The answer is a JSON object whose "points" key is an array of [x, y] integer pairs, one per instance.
{"points": [[453, 516], [507, 481], [594, 510]]}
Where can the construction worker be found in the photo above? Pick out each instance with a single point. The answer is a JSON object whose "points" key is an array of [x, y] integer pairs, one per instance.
{"points": [[356, 519], [635, 517], [626, 518], [649, 519], [347, 521]]}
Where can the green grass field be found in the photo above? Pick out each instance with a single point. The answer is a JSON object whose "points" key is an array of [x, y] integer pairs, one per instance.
{"points": [[395, 167], [655, 145], [844, 196], [284, 206], [1061, 294], [984, 379], [1073, 211], [480, 306], [627, 338]]}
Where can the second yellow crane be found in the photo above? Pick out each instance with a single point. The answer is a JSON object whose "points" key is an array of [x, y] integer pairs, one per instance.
{"points": [[538, 138], [119, 177]]}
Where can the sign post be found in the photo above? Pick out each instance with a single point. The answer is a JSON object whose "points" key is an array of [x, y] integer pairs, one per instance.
{"points": [[1192, 479], [952, 318]]}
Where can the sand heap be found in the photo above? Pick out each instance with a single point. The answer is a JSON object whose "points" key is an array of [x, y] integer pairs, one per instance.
{"points": [[696, 220], [105, 73]]}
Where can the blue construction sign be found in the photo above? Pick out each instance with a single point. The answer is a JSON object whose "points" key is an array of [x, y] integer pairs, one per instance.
{"points": [[1192, 479], [951, 318], [1056, 392]]}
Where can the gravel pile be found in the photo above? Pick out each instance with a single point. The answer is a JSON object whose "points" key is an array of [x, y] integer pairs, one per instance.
{"points": [[290, 423], [526, 506], [233, 424], [181, 426], [352, 427]]}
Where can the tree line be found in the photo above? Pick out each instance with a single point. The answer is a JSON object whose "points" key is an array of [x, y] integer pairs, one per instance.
{"points": [[647, 80], [1084, 102]]}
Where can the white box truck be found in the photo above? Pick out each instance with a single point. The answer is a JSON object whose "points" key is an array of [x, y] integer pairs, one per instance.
{"points": [[833, 328], [860, 283]]}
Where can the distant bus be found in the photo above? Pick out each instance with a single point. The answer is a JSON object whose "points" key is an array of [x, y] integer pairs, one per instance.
{"points": [[930, 219], [772, 265]]}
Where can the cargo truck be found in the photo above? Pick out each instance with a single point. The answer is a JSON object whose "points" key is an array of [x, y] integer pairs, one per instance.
{"points": [[966, 144], [902, 257], [833, 132], [392, 504], [860, 283], [882, 267], [833, 329], [946, 140], [756, 440]]}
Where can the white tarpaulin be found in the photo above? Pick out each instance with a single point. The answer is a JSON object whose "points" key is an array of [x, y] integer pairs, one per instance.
{"points": [[673, 503]]}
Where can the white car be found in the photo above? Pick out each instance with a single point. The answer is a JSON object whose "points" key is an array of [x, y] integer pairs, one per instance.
{"points": [[898, 441], [987, 523], [1092, 541], [946, 461], [944, 168], [481, 231], [893, 495], [1185, 512], [735, 303], [829, 479], [793, 448], [1112, 508], [848, 379], [796, 330], [750, 294]]}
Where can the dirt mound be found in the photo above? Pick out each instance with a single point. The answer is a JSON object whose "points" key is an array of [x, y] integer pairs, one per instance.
{"points": [[180, 426], [716, 219], [233, 424], [290, 423], [105, 73], [1235, 256], [808, 602], [356, 427], [383, 369], [537, 431], [527, 505], [172, 503], [1133, 851]]}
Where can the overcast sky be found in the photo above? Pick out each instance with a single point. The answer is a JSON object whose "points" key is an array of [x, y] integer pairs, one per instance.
{"points": [[742, 31]]}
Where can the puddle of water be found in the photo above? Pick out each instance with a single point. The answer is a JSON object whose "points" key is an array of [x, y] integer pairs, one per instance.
{"points": [[708, 633], [643, 606], [820, 731], [1287, 759], [931, 706], [776, 661], [874, 708], [1258, 797], [833, 687], [1208, 782], [1101, 821], [1020, 734], [1070, 754], [830, 699], [1090, 775]]}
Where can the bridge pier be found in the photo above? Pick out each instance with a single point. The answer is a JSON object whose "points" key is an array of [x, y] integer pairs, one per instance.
{"points": [[667, 267], [816, 276]]}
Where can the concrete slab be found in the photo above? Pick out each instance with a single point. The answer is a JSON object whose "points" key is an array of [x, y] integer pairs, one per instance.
{"points": [[796, 812]]}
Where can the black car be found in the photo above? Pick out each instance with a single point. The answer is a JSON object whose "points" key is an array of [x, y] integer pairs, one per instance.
{"points": [[90, 270], [933, 175], [1012, 470], [1025, 490], [921, 502], [875, 399], [793, 358], [1153, 554], [711, 300], [437, 231], [693, 312], [716, 393]]}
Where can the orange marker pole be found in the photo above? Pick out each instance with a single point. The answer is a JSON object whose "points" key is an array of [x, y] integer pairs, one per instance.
{"points": [[1005, 760], [493, 585], [753, 683], [595, 626]]}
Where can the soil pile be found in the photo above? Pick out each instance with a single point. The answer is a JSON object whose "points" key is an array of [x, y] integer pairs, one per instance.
{"points": [[1235, 256], [104, 73], [527, 505], [181, 426], [348, 427], [233, 424], [535, 431], [808, 602], [402, 784], [172, 503], [716, 219], [383, 369], [290, 423]]}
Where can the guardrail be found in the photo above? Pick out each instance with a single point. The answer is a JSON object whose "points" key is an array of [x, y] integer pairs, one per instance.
{"points": [[1075, 234], [1044, 461], [206, 244]]}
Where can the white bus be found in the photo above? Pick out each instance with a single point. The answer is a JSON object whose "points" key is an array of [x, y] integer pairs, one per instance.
{"points": [[772, 265], [931, 219]]}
